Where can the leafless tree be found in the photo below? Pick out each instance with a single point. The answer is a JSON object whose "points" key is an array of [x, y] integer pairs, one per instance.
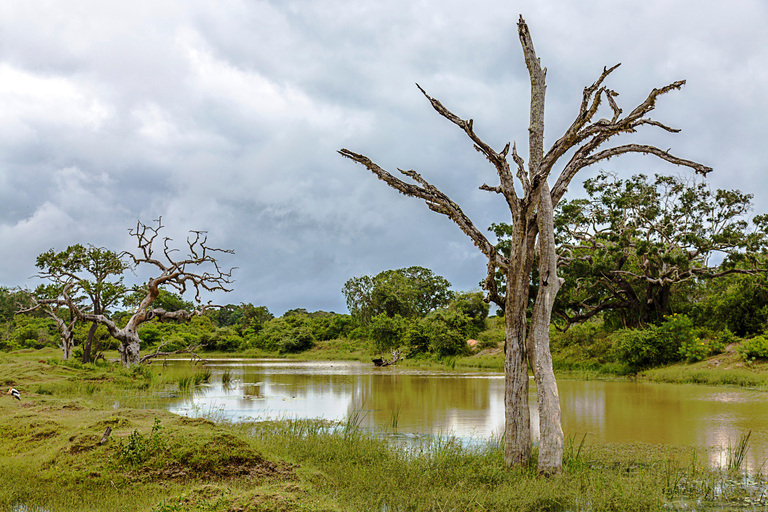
{"points": [[533, 236], [173, 272]]}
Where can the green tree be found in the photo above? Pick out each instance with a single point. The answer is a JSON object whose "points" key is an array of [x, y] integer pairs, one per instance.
{"points": [[387, 331], [94, 277], [168, 301], [738, 303], [473, 307], [633, 247], [409, 292]]}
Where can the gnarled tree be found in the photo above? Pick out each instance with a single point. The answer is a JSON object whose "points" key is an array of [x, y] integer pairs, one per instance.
{"points": [[631, 244], [533, 235], [95, 272], [46, 298], [172, 272]]}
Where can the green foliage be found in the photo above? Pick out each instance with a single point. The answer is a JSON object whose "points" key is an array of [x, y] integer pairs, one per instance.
{"points": [[472, 306], [643, 348], [755, 348], [33, 332], [387, 332], [738, 303], [11, 301], [447, 332], [285, 335], [698, 349], [633, 246], [95, 271], [409, 292], [168, 301], [137, 449]]}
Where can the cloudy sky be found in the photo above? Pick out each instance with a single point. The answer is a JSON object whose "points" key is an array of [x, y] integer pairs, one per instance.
{"points": [[226, 117]]}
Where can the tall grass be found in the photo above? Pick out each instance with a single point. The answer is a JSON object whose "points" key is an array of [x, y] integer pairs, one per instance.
{"points": [[737, 453], [367, 472], [226, 378], [394, 418], [185, 383]]}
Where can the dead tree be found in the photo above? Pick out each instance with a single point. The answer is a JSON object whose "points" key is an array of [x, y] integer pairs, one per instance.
{"points": [[173, 272], [533, 236]]}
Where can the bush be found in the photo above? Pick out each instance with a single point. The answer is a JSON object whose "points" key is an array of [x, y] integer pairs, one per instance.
{"points": [[755, 348], [579, 334], [290, 333], [297, 340], [387, 332], [445, 341], [697, 349], [643, 348], [32, 332], [473, 307]]}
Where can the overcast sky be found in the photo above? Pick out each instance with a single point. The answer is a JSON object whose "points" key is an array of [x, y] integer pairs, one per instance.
{"points": [[226, 117]]}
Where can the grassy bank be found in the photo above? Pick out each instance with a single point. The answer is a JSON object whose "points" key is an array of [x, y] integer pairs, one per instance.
{"points": [[51, 457]]}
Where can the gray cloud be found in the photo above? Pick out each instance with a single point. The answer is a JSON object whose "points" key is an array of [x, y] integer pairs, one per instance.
{"points": [[226, 117]]}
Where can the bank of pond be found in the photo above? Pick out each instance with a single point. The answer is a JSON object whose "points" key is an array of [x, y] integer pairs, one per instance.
{"points": [[277, 434]]}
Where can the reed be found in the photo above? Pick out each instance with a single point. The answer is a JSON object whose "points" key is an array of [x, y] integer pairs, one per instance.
{"points": [[226, 378], [394, 418], [737, 453]]}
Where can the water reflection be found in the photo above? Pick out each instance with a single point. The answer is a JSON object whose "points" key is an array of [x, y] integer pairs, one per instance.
{"points": [[471, 404]]}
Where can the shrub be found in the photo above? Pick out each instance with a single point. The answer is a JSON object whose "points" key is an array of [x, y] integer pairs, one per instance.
{"points": [[296, 340], [697, 349], [471, 306], [755, 348], [643, 348], [387, 332], [136, 448]]}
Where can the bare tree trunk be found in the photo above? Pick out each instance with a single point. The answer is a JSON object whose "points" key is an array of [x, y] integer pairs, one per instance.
{"points": [[88, 341], [585, 137], [66, 345], [129, 349], [550, 430], [517, 433]]}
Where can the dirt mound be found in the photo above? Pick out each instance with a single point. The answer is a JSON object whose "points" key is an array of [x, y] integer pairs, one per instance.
{"points": [[255, 468]]}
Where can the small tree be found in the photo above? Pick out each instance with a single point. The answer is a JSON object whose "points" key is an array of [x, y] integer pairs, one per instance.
{"points": [[95, 272], [45, 299], [533, 235], [173, 272]]}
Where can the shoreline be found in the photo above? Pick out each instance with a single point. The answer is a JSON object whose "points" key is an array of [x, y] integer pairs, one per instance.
{"points": [[158, 461]]}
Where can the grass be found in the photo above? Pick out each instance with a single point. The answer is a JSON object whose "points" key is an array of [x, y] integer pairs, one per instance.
{"points": [[156, 461], [226, 378], [370, 473], [727, 369]]}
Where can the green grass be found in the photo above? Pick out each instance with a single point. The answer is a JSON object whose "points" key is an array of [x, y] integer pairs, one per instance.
{"points": [[154, 460], [367, 472]]}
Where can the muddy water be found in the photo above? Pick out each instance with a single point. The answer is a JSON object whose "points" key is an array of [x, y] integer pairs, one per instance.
{"points": [[470, 405]]}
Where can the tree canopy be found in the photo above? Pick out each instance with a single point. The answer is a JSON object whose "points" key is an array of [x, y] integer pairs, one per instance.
{"points": [[94, 277], [409, 292], [631, 244]]}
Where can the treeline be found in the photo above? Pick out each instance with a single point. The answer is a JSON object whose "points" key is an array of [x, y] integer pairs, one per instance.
{"points": [[410, 309], [706, 319], [641, 290]]}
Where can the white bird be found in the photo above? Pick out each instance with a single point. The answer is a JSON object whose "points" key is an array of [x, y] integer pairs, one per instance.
{"points": [[14, 393]]}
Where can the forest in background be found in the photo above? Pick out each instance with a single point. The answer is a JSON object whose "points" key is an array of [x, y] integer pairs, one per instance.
{"points": [[642, 289]]}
